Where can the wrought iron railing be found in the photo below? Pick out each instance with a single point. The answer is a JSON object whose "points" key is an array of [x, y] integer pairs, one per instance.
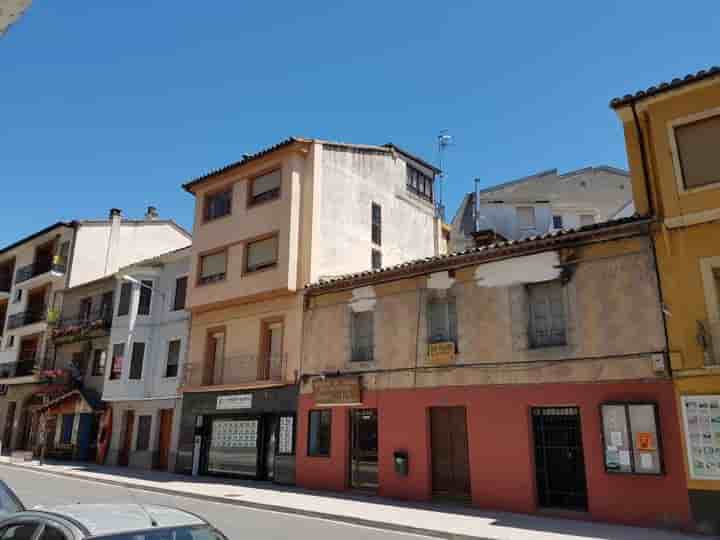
{"points": [[56, 265], [25, 318]]}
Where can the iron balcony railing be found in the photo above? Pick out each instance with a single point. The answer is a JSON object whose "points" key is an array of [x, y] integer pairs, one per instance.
{"points": [[101, 315], [56, 265], [25, 318]]}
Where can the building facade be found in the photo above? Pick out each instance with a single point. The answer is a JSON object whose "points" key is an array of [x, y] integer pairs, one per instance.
{"points": [[147, 350], [540, 203], [526, 376], [34, 272], [298, 211], [672, 133]]}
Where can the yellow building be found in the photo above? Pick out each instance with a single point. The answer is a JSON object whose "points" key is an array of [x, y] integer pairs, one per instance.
{"points": [[672, 134]]}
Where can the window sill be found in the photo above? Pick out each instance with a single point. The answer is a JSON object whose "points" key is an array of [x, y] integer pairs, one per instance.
{"points": [[213, 282], [247, 272], [254, 204]]}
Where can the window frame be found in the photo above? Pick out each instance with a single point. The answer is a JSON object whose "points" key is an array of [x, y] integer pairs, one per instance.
{"points": [[419, 183], [675, 150], [309, 433], [119, 372], [146, 291], [246, 252], [125, 311], [629, 430], [212, 193], [174, 306], [560, 218], [264, 366], [353, 337], [376, 223], [452, 329], [375, 259], [167, 358], [254, 200], [94, 372], [135, 344], [532, 340], [199, 279]]}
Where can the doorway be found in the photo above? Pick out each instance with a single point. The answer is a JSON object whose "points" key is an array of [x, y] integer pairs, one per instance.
{"points": [[270, 435], [449, 449], [559, 459], [364, 448], [165, 432], [127, 433], [9, 421]]}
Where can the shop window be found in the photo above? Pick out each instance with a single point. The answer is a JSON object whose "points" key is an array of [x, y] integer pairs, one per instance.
{"points": [[68, 420], [145, 297], [117, 361], [143, 434], [630, 437], [98, 365], [442, 319], [265, 187], [319, 433], [124, 304], [286, 436], [547, 314], [697, 156], [362, 336], [173, 358], [136, 361]]}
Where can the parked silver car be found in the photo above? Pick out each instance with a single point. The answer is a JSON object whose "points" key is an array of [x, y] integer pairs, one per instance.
{"points": [[99, 521]]}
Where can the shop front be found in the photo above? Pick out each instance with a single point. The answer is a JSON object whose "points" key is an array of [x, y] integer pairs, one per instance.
{"points": [[586, 450], [248, 433]]}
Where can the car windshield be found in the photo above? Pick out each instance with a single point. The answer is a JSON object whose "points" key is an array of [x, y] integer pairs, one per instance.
{"points": [[175, 533]]}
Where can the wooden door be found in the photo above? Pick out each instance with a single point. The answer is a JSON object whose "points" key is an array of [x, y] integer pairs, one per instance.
{"points": [[166, 419], [129, 424], [449, 447]]}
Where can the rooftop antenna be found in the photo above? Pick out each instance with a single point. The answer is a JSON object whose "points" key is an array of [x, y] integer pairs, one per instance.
{"points": [[444, 140]]}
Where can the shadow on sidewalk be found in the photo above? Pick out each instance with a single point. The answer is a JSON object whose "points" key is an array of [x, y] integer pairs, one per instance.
{"points": [[565, 524]]}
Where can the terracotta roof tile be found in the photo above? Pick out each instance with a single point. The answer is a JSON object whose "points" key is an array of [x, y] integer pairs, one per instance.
{"points": [[665, 87]]}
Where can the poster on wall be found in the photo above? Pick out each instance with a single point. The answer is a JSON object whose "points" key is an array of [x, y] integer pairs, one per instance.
{"points": [[701, 416], [286, 435]]}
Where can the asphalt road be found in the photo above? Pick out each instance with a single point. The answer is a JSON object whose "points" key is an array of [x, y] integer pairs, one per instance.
{"points": [[36, 488]]}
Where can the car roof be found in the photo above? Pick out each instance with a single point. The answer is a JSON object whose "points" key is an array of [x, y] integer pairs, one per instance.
{"points": [[105, 519]]}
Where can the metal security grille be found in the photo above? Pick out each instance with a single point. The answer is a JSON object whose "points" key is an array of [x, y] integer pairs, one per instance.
{"points": [[559, 461]]}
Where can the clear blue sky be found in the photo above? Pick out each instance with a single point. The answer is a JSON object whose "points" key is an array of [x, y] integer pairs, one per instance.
{"points": [[104, 106]]}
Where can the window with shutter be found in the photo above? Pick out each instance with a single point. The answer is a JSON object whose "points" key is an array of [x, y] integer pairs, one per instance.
{"points": [[173, 359], [212, 267], [442, 319], [697, 144], [136, 361], [124, 304], [180, 293], [265, 188], [218, 204], [547, 314], [145, 297], [362, 336], [261, 254]]}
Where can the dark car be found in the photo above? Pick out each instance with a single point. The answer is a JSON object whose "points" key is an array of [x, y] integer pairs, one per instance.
{"points": [[99, 521]]}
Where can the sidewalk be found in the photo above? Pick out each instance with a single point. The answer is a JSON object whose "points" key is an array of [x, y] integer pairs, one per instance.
{"points": [[445, 521]]}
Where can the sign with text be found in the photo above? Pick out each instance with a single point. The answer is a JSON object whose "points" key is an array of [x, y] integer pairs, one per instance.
{"points": [[442, 352], [337, 391], [237, 401]]}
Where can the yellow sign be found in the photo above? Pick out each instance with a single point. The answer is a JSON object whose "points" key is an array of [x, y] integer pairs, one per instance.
{"points": [[337, 391], [442, 352]]}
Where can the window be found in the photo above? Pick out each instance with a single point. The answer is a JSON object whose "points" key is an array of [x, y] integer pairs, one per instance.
{"points": [[557, 222], [10, 342], [125, 294], [68, 421], [18, 296], [265, 188], [526, 217], [547, 314], [143, 433], [136, 361], [272, 350], [24, 531], [630, 437], [106, 304], [261, 254], [697, 154], [98, 365], [180, 293], [376, 217], [419, 183], [218, 204], [85, 309], [319, 433], [145, 297], [376, 259], [586, 219], [173, 358], [117, 361], [362, 336], [212, 267], [442, 320]]}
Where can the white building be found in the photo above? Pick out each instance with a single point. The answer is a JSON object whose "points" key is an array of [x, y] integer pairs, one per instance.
{"points": [[33, 273], [148, 344], [541, 203], [10, 12]]}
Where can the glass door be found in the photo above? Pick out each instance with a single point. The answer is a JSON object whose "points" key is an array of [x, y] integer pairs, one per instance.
{"points": [[364, 448]]}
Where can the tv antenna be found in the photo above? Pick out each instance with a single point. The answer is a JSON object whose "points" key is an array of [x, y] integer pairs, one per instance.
{"points": [[444, 139]]}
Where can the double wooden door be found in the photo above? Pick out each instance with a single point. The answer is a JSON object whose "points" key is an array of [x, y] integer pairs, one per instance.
{"points": [[449, 448]]}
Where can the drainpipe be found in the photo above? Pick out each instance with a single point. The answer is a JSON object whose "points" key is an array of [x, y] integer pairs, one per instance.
{"points": [[643, 159]]}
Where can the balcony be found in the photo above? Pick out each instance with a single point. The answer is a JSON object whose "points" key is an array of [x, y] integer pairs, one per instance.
{"points": [[25, 318], [83, 326], [23, 368], [56, 265]]}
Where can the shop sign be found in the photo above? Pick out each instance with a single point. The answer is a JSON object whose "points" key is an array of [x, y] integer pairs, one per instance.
{"points": [[337, 391], [236, 401], [442, 352]]}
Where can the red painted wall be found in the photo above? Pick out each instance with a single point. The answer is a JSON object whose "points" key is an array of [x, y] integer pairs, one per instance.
{"points": [[501, 448]]}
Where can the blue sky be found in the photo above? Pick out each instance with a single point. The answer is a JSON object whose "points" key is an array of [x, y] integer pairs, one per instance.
{"points": [[115, 106]]}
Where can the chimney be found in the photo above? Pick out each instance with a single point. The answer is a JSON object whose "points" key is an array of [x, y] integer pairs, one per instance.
{"points": [[151, 214], [113, 241]]}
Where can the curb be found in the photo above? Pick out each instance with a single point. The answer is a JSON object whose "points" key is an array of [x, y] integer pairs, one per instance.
{"points": [[258, 506]]}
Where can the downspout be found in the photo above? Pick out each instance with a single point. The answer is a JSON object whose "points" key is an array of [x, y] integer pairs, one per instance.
{"points": [[643, 159]]}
